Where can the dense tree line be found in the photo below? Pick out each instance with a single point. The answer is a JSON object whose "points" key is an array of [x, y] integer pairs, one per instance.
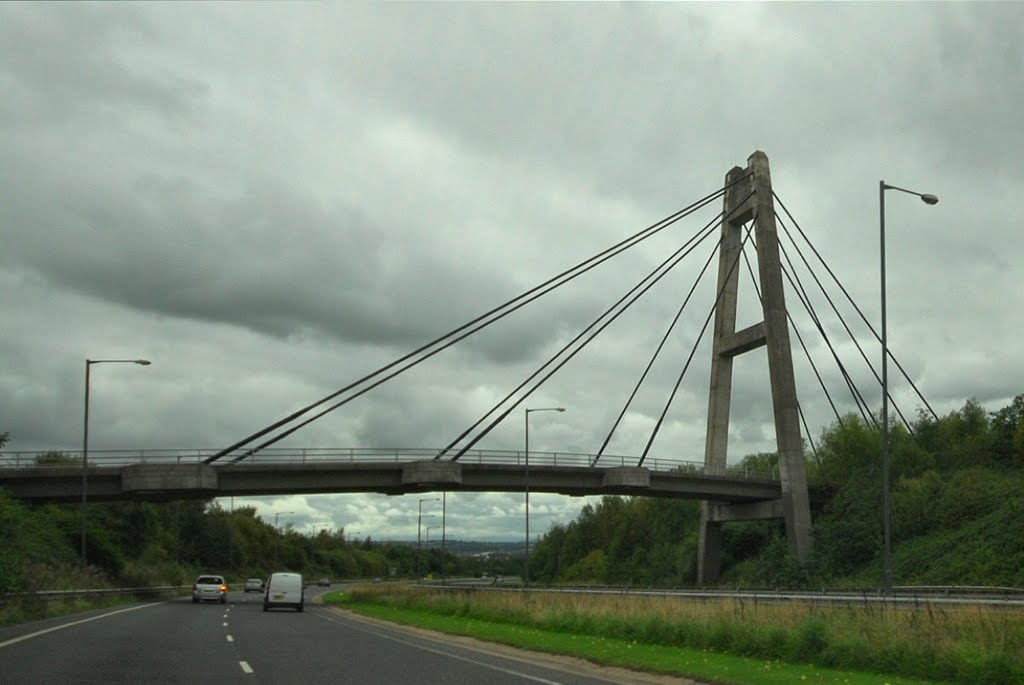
{"points": [[957, 505]]}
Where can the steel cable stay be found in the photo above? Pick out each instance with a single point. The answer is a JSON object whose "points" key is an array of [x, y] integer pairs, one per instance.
{"points": [[480, 322], [814, 367], [856, 308], [665, 265], [797, 285], [714, 306], [448, 344], [657, 352], [838, 314], [381, 381], [451, 342], [710, 227], [805, 300]]}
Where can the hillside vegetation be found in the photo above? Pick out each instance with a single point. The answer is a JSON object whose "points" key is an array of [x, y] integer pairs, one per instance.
{"points": [[957, 514]]}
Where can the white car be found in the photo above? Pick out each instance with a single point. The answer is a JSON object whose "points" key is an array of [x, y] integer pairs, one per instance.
{"points": [[254, 585], [284, 590], [209, 589]]}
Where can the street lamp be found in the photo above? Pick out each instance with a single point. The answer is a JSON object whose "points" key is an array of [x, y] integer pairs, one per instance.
{"points": [[277, 534], [85, 436], [928, 199], [419, 533], [526, 480], [444, 536]]}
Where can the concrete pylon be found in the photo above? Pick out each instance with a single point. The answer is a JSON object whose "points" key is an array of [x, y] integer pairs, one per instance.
{"points": [[750, 199]]}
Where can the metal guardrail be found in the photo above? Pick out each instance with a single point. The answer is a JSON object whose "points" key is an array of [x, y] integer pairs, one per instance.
{"points": [[327, 455], [51, 595], [907, 596]]}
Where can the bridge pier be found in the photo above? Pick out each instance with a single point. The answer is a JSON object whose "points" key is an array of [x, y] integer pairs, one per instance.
{"points": [[750, 199]]}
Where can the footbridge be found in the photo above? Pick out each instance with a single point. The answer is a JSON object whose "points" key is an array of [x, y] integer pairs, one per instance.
{"points": [[160, 475]]}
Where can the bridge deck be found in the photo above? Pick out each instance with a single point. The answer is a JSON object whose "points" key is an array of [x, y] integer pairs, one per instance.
{"points": [[119, 476]]}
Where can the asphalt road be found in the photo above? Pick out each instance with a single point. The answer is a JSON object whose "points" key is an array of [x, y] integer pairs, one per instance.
{"points": [[178, 642]]}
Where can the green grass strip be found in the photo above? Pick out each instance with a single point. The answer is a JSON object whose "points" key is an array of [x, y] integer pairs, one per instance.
{"points": [[678, 661]]}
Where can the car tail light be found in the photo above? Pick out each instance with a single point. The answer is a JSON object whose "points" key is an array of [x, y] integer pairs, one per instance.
{"points": [[224, 588]]}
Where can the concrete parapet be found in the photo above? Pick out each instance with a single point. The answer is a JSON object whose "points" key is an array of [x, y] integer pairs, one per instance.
{"points": [[168, 477], [432, 472], [627, 477]]}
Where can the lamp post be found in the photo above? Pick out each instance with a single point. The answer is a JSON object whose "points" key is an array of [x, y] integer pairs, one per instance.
{"points": [[419, 533], [85, 437], [526, 481], [277, 533], [430, 528], [444, 536], [928, 199]]}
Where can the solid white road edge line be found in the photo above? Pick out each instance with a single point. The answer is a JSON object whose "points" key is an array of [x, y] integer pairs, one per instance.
{"points": [[499, 669], [73, 623]]}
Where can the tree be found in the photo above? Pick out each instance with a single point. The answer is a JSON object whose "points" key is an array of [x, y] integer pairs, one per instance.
{"points": [[1007, 434], [57, 458]]}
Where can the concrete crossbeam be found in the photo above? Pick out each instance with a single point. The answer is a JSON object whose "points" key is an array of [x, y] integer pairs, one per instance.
{"points": [[746, 340], [750, 511]]}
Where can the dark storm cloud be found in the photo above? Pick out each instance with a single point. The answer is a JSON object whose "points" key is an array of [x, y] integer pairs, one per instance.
{"points": [[86, 61]]}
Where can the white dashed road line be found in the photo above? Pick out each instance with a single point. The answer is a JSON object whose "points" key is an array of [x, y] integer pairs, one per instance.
{"points": [[246, 668], [230, 639]]}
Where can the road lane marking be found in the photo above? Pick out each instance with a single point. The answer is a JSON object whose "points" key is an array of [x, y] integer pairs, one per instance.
{"points": [[74, 623], [441, 652], [246, 668], [225, 624], [230, 639]]}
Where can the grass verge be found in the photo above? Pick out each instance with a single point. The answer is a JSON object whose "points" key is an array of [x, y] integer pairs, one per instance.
{"points": [[23, 610], [701, 664], [722, 642]]}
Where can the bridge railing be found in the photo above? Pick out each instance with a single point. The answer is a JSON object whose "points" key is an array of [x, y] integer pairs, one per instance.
{"points": [[326, 455]]}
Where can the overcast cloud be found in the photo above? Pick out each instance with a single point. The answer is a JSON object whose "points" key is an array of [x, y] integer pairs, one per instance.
{"points": [[271, 200]]}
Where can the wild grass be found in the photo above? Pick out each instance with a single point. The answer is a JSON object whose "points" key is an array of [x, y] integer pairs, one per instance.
{"points": [[970, 645], [27, 606]]}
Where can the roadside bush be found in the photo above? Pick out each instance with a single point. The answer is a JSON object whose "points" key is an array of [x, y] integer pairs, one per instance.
{"points": [[970, 494], [915, 504]]}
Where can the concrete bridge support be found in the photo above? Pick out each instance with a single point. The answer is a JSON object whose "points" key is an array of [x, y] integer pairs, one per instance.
{"points": [[751, 200]]}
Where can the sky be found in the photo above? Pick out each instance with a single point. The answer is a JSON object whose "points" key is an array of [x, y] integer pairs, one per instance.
{"points": [[269, 201]]}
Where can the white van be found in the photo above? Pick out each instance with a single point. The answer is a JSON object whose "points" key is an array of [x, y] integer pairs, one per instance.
{"points": [[284, 590]]}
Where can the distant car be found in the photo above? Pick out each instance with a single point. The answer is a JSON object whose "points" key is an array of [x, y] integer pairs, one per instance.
{"points": [[376, 580], [209, 589], [324, 582], [254, 585], [284, 590]]}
